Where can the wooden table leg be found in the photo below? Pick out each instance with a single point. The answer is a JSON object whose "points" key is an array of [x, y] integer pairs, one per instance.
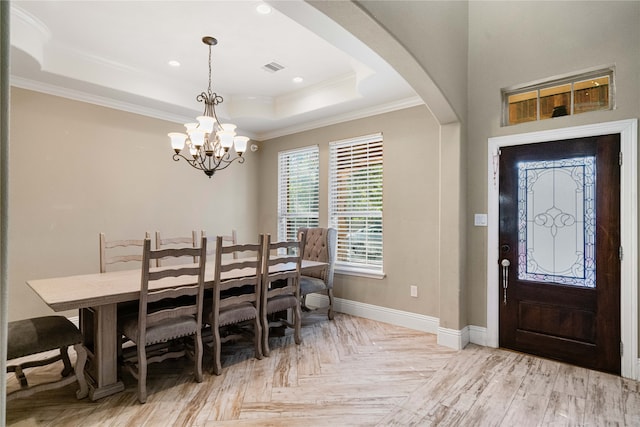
{"points": [[99, 326]]}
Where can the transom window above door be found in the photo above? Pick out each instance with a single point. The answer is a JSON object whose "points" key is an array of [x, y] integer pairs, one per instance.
{"points": [[565, 96]]}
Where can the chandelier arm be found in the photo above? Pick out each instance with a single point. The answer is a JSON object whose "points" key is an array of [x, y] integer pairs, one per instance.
{"points": [[226, 162], [214, 165], [194, 163]]}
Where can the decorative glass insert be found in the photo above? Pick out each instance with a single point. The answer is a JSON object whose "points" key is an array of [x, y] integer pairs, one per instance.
{"points": [[557, 221]]}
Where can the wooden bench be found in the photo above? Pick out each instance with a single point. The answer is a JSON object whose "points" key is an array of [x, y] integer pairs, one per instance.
{"points": [[41, 334]]}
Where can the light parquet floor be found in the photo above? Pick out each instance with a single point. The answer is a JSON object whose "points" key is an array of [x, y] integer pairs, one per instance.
{"points": [[352, 372]]}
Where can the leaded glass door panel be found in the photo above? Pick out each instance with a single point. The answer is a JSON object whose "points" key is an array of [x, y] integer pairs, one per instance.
{"points": [[559, 243]]}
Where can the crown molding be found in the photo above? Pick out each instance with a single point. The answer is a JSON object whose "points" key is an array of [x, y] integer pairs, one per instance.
{"points": [[341, 118], [97, 100], [177, 118]]}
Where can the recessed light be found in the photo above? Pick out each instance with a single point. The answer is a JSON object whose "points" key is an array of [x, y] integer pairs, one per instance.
{"points": [[263, 9], [174, 63], [298, 79]]}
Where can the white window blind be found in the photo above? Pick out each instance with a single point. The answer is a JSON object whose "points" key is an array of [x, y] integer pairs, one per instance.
{"points": [[298, 176], [355, 201]]}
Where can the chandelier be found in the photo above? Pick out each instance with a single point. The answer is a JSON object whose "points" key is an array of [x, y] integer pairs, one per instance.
{"points": [[207, 144]]}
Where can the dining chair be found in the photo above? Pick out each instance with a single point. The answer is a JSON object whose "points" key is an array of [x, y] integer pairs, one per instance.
{"points": [[173, 242], [119, 251], [112, 254], [280, 287], [236, 296], [231, 239], [320, 246], [170, 307]]}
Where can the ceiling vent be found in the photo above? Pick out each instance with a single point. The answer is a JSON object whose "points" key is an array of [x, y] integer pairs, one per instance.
{"points": [[272, 67]]}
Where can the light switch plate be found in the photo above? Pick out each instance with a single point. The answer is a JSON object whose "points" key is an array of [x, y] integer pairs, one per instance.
{"points": [[480, 220]]}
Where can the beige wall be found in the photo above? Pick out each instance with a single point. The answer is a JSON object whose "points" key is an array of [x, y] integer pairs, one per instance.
{"points": [[508, 43], [512, 43], [411, 205], [473, 49], [427, 44], [435, 33], [78, 169]]}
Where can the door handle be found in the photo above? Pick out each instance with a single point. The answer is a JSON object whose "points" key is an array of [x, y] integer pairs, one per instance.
{"points": [[505, 279]]}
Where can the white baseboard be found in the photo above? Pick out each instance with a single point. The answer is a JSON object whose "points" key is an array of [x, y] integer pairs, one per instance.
{"points": [[451, 338], [383, 314], [478, 335]]}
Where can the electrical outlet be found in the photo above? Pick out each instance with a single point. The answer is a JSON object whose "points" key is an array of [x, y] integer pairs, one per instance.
{"points": [[414, 291]]}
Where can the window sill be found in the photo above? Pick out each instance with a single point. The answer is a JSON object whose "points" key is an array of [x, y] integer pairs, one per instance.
{"points": [[362, 272]]}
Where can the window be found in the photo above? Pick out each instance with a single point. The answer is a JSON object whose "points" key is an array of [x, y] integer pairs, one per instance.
{"points": [[297, 191], [355, 202], [561, 97]]}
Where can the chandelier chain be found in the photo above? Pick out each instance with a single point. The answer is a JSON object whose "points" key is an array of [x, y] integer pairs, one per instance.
{"points": [[210, 70]]}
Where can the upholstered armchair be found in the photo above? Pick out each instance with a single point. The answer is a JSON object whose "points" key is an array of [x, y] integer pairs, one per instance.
{"points": [[320, 246]]}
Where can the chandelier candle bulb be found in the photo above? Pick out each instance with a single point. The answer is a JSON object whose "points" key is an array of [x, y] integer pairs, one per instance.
{"points": [[226, 139], [197, 137], [206, 123], [228, 127], [240, 142], [207, 141], [177, 141]]}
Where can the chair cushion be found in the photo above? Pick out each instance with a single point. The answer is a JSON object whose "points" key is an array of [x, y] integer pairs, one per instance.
{"points": [[235, 314], [31, 336], [162, 331], [239, 313], [281, 303], [310, 285]]}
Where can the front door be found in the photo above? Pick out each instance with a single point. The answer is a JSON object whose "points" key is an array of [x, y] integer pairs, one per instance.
{"points": [[559, 250]]}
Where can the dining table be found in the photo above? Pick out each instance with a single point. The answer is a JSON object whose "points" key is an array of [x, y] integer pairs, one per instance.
{"points": [[97, 297]]}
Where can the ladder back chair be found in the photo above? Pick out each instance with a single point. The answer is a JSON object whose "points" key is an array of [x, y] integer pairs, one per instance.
{"points": [[280, 286], [133, 249], [231, 239], [170, 307], [114, 253], [174, 242], [320, 245], [236, 295]]}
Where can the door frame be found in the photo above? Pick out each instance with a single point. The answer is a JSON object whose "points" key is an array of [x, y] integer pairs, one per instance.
{"points": [[628, 130]]}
